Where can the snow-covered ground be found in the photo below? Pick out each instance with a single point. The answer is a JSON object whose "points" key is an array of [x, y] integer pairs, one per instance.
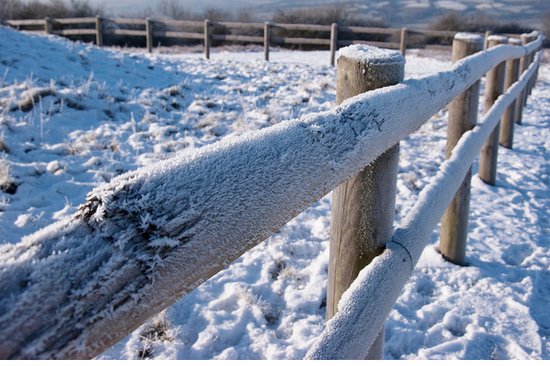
{"points": [[73, 116]]}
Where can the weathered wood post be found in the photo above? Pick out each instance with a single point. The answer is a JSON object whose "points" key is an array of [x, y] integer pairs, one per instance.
{"points": [[47, 25], [507, 123], [333, 42], [462, 118], [528, 59], [536, 76], [98, 31], [207, 39], [486, 42], [531, 37], [403, 43], [149, 34], [494, 87], [363, 207], [523, 64], [267, 38]]}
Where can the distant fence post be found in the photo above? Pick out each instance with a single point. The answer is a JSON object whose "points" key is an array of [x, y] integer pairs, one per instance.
{"points": [[507, 123], [403, 41], [47, 25], [363, 207], [536, 76], [462, 118], [486, 42], [333, 42], [207, 39], [149, 34], [523, 65], [98, 31], [494, 87], [267, 38], [527, 38]]}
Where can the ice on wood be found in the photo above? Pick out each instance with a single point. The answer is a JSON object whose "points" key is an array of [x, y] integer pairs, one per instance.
{"points": [[370, 54]]}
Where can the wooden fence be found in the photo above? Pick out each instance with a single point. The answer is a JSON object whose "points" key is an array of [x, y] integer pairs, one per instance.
{"points": [[268, 33], [148, 237]]}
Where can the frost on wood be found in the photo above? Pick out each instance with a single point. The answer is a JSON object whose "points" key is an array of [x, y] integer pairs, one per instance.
{"points": [[371, 55], [469, 37], [497, 38], [367, 303], [344, 335], [149, 236]]}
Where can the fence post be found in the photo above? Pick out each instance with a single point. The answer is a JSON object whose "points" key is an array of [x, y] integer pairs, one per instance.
{"points": [[493, 88], [363, 207], [333, 42], [486, 42], [403, 44], [149, 34], [540, 48], [530, 38], [462, 118], [207, 39], [267, 38], [47, 25], [507, 122], [523, 64], [527, 38], [98, 31]]}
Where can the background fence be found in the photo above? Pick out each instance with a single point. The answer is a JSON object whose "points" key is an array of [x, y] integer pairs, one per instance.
{"points": [[153, 32], [82, 284]]}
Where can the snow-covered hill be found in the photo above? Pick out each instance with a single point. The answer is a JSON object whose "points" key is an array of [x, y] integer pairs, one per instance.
{"points": [[73, 116]]}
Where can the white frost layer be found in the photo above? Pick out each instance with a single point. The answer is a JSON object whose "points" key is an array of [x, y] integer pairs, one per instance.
{"points": [[370, 54], [469, 37], [366, 304], [498, 38]]}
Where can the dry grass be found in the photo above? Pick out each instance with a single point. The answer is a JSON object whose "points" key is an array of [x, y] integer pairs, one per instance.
{"points": [[155, 332], [3, 147], [7, 184]]}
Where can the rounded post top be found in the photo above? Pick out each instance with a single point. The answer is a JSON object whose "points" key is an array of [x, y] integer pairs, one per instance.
{"points": [[496, 39], [371, 55], [529, 37], [469, 37]]}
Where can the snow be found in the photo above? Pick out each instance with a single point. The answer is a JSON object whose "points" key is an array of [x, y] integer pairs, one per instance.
{"points": [[269, 303], [372, 55]]}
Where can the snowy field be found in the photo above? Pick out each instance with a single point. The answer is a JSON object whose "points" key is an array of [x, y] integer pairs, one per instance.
{"points": [[73, 116]]}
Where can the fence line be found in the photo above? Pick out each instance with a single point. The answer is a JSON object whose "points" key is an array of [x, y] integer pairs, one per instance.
{"points": [[149, 236], [336, 35], [370, 299]]}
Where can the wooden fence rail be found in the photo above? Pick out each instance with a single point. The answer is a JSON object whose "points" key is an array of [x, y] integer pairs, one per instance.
{"points": [[268, 34], [148, 237]]}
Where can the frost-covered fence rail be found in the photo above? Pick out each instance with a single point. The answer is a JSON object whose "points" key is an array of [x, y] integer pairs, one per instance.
{"points": [[148, 237], [156, 30]]}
